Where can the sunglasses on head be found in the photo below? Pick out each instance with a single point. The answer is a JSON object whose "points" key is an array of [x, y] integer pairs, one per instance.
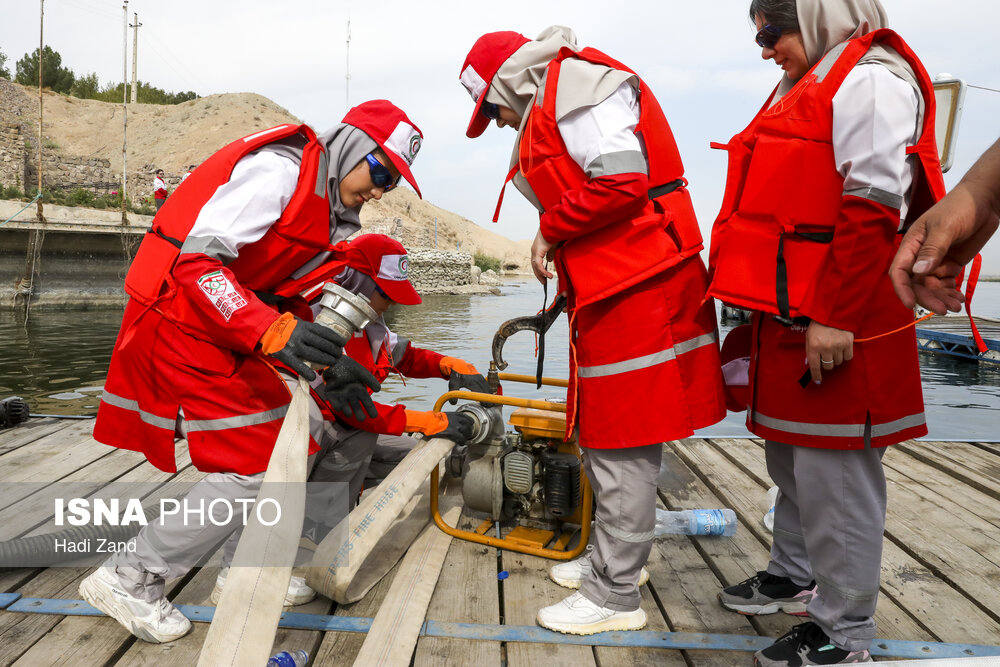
{"points": [[381, 176], [768, 36], [490, 110]]}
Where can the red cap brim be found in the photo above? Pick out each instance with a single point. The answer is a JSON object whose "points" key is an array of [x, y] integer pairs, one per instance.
{"points": [[404, 170], [479, 122], [400, 291]]}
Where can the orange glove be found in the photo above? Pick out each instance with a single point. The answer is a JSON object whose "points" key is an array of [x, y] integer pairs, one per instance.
{"points": [[454, 426], [449, 364], [295, 342], [463, 375]]}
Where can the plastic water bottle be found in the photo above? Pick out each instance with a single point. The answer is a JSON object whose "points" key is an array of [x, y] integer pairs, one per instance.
{"points": [[772, 497], [297, 658], [696, 522]]}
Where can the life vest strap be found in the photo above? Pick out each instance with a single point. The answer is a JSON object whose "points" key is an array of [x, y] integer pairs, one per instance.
{"points": [[665, 189]]}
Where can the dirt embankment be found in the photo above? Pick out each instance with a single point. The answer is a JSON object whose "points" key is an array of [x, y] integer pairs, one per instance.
{"points": [[171, 137]]}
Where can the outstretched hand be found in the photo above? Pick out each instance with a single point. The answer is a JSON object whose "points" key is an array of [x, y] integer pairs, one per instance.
{"points": [[345, 387]]}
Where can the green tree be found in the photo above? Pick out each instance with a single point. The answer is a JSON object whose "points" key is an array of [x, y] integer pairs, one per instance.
{"points": [[4, 72], [86, 87], [54, 75]]}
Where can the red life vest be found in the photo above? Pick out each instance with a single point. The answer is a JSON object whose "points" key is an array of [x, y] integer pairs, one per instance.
{"points": [[264, 265], [783, 196], [168, 358], [637, 317], [628, 251]]}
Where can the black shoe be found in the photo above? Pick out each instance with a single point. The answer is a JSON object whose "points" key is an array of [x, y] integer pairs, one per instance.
{"points": [[806, 644], [765, 593]]}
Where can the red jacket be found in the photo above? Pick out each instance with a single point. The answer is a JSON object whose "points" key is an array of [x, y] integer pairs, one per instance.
{"points": [[639, 324], [190, 330], [395, 355], [790, 241]]}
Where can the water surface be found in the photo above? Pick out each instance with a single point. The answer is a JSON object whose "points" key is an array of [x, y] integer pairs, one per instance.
{"points": [[58, 361]]}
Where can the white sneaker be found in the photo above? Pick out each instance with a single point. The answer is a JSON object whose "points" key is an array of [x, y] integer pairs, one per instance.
{"points": [[155, 622], [576, 615], [298, 592], [571, 574]]}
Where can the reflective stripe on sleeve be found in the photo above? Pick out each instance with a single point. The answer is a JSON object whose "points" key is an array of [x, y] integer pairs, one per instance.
{"points": [[648, 360], [619, 162], [839, 430], [878, 196]]}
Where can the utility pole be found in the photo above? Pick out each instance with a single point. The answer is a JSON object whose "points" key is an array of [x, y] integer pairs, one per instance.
{"points": [[124, 109], [41, 47], [347, 72], [135, 50]]}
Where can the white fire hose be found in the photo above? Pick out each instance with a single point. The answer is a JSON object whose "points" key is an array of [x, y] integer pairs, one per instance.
{"points": [[246, 618]]}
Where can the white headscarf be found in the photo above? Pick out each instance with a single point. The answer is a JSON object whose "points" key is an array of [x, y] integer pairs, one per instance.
{"points": [[581, 84], [824, 24]]}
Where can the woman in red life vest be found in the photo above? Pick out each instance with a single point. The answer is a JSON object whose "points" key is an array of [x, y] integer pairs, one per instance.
{"points": [[595, 155], [214, 305], [820, 185]]}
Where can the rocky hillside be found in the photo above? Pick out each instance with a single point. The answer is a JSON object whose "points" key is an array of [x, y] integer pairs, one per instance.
{"points": [[170, 137]]}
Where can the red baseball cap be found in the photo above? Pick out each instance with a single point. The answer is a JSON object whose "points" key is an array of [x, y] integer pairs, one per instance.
{"points": [[487, 54], [395, 134], [384, 259], [736, 367]]}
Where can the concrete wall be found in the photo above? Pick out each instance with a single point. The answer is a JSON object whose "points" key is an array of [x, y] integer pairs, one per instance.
{"points": [[428, 267], [19, 165]]}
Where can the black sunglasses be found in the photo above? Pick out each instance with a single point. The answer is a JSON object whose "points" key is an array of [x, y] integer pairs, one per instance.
{"points": [[382, 292], [768, 36], [490, 110], [381, 176]]}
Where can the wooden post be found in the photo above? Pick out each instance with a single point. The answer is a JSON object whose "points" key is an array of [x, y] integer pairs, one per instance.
{"points": [[39, 210]]}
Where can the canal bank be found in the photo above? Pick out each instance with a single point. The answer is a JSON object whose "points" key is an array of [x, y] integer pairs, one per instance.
{"points": [[77, 258]]}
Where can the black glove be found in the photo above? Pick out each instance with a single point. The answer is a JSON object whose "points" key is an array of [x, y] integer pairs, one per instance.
{"points": [[294, 342], [471, 381], [460, 428], [344, 385]]}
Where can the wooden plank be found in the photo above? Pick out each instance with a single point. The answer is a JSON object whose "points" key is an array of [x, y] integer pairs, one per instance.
{"points": [[736, 490], [30, 431], [467, 592], [743, 554], [927, 473], [525, 591], [47, 461], [38, 508], [20, 632], [967, 463], [341, 648], [685, 585], [392, 638]]}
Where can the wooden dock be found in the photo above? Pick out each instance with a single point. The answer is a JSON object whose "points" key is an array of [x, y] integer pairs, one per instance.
{"points": [[952, 335], [940, 581]]}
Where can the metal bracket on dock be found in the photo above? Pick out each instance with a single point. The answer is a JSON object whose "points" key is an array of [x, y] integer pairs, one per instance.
{"points": [[523, 633]]}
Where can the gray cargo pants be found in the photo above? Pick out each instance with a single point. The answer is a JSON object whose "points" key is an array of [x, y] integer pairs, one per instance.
{"points": [[624, 482], [167, 551], [828, 523]]}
